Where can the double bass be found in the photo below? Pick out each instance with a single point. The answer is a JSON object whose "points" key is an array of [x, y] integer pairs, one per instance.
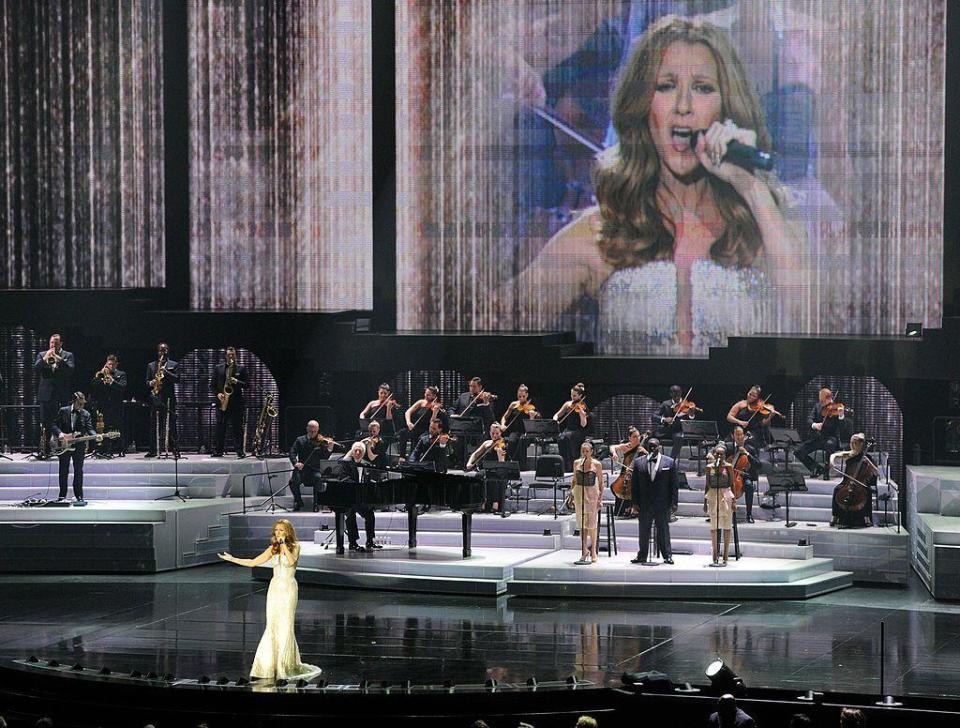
{"points": [[853, 494], [623, 486]]}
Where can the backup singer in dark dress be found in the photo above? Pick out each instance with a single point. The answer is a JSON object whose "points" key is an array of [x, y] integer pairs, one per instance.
{"points": [[234, 374], [655, 495], [306, 453], [73, 420], [163, 401], [55, 366], [109, 386]]}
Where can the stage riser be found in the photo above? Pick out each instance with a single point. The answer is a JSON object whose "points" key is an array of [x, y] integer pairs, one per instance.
{"points": [[690, 546], [112, 493], [933, 506]]}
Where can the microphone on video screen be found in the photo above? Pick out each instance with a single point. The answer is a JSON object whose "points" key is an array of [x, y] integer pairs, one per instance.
{"points": [[742, 155]]}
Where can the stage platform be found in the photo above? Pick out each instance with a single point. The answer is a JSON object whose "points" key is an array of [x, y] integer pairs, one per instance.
{"points": [[933, 505]]}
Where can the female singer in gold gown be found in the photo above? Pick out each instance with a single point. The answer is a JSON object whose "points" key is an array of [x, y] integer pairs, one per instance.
{"points": [[278, 655]]}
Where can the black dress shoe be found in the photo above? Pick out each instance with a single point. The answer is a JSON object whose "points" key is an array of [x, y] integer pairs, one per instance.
{"points": [[668, 561], [216, 454], [750, 519], [371, 545], [638, 561], [356, 547], [150, 455], [241, 455], [298, 506]]}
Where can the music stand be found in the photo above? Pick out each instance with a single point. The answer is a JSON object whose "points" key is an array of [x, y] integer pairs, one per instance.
{"points": [[466, 426], [506, 471], [704, 433], [540, 431], [784, 438], [786, 483]]}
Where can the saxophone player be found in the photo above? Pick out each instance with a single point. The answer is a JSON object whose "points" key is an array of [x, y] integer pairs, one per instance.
{"points": [[55, 366], [228, 382], [108, 386], [162, 377]]}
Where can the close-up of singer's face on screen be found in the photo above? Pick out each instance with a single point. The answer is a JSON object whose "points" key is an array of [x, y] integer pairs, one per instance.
{"points": [[661, 176]]}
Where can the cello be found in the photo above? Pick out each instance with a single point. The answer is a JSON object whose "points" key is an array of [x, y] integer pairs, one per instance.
{"points": [[623, 486], [854, 492]]}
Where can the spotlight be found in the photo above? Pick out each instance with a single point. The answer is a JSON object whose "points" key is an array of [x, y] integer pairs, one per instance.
{"points": [[53, 663], [648, 682], [723, 679], [33, 658], [223, 681], [104, 670], [914, 331]]}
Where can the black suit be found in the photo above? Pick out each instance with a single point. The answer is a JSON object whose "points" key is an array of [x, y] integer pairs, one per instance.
{"points": [[655, 500], [305, 450], [236, 406], [55, 389], [670, 430], [367, 513], [66, 422], [108, 401], [162, 403], [479, 410], [833, 432], [439, 454], [752, 476]]}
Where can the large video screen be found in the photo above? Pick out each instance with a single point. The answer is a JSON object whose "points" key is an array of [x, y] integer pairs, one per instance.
{"points": [[280, 155], [592, 165]]}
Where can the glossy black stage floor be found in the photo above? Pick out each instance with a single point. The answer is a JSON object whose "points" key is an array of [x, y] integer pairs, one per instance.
{"points": [[208, 621]]}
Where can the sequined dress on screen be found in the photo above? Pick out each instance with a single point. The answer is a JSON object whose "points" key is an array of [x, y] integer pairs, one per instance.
{"points": [[278, 655], [638, 308]]}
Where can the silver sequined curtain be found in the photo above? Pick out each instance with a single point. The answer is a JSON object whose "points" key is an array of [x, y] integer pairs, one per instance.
{"points": [[281, 155], [856, 90], [81, 144], [19, 414], [612, 417]]}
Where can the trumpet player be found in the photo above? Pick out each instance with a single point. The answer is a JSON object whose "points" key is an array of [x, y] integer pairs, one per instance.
{"points": [[228, 383], [55, 366], [108, 387], [162, 377]]}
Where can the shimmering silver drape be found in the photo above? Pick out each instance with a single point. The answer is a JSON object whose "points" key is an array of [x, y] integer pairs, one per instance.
{"points": [[81, 144], [280, 138]]}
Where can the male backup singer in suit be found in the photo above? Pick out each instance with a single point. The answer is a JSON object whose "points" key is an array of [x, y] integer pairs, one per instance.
{"points": [[655, 494], [55, 367], [73, 419], [236, 404]]}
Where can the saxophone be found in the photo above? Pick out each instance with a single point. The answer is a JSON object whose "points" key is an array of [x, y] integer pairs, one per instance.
{"points": [[267, 413], [156, 384]]}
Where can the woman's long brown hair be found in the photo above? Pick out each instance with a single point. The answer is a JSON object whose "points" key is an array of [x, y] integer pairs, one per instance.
{"points": [[288, 530]]}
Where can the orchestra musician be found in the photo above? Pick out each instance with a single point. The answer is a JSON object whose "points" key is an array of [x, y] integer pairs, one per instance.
{"points": [[740, 449], [162, 376], [587, 485], [233, 374], [375, 448], [748, 414], [108, 388], [305, 455], [55, 366], [655, 496], [625, 454], [574, 420], [73, 420], [667, 421], [853, 497], [512, 425], [493, 449], [475, 403], [828, 432], [720, 501], [382, 409], [420, 414], [434, 446], [356, 455]]}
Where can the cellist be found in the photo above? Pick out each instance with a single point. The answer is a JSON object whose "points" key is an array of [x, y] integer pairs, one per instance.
{"points": [[624, 454], [853, 498], [746, 462]]}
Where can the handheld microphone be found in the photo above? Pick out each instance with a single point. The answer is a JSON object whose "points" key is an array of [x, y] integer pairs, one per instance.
{"points": [[742, 155]]}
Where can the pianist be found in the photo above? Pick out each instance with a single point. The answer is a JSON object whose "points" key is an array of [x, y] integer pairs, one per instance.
{"points": [[306, 454], [356, 456]]}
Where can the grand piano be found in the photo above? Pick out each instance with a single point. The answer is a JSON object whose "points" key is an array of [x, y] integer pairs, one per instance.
{"points": [[410, 486]]}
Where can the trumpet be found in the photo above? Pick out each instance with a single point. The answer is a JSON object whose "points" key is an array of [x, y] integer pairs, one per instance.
{"points": [[52, 358], [104, 375]]}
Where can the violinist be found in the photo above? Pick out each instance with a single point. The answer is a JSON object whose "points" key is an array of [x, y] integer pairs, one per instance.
{"points": [[382, 409], [573, 419], [746, 462], [375, 448], [493, 449], [419, 415], [623, 455], [475, 402], [668, 420], [305, 455], [512, 423], [720, 502], [828, 425], [753, 414], [434, 446], [853, 498]]}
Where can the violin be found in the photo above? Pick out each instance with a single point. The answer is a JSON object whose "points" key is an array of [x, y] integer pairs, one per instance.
{"points": [[762, 408], [580, 406], [524, 409], [833, 410], [685, 407]]}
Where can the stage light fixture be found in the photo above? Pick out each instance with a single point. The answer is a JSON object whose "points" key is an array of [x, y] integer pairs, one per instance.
{"points": [[53, 663], [223, 681], [204, 679], [723, 679], [242, 682], [914, 331], [33, 658], [648, 682]]}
